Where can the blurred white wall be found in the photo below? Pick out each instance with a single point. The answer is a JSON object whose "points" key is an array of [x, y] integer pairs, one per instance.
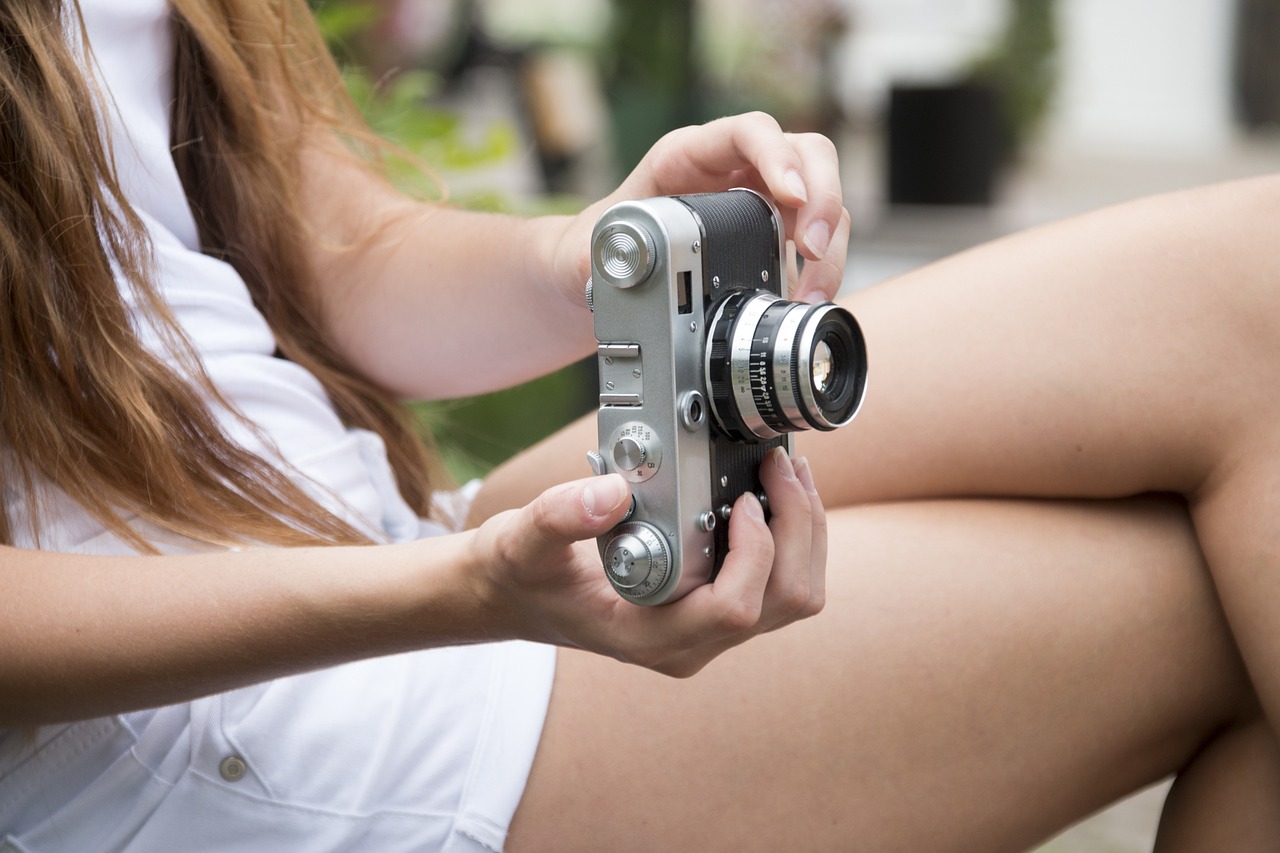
{"points": [[1144, 76], [911, 41], [1136, 76]]}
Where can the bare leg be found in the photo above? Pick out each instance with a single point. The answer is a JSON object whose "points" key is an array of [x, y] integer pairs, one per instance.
{"points": [[1227, 798], [983, 674], [1131, 350], [1134, 350]]}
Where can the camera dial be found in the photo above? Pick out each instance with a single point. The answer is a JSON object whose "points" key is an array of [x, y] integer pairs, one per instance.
{"points": [[636, 451], [636, 559], [624, 254]]}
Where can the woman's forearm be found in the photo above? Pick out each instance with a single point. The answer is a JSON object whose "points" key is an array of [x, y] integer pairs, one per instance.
{"points": [[431, 301], [83, 636], [449, 303], [434, 302]]}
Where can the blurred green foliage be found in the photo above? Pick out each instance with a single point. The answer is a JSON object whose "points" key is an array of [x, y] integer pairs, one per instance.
{"points": [[1022, 66], [476, 433], [651, 74], [399, 107]]}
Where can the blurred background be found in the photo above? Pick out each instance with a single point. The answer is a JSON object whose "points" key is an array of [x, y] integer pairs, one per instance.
{"points": [[957, 120]]}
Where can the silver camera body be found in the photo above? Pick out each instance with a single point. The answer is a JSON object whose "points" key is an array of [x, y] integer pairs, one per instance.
{"points": [[704, 368]]}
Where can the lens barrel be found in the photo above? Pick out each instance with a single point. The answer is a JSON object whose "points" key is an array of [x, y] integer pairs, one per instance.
{"points": [[774, 366]]}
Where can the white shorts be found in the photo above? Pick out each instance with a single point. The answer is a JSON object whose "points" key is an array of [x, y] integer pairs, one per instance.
{"points": [[427, 751], [424, 751]]}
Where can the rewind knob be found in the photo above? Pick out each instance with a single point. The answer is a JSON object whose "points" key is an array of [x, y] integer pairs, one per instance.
{"points": [[623, 254]]}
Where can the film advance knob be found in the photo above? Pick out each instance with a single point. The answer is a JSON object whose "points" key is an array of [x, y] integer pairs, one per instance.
{"points": [[636, 555]]}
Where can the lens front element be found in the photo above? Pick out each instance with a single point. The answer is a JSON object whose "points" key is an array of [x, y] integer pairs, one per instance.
{"points": [[774, 366], [823, 366]]}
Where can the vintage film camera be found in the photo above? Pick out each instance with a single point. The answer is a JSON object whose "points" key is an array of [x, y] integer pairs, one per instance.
{"points": [[704, 368]]}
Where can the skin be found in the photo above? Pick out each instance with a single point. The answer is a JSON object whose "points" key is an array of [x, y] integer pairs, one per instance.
{"points": [[983, 675], [235, 618], [1126, 352], [1096, 622]]}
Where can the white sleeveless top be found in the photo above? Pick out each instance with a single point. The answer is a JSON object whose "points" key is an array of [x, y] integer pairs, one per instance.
{"points": [[424, 751], [132, 48]]}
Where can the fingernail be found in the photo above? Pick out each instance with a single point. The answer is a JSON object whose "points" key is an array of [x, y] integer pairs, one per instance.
{"points": [[603, 495], [783, 461], [795, 183], [813, 297], [817, 237], [805, 475], [751, 506]]}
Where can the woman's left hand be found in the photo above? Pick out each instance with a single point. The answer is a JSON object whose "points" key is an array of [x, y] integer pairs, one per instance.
{"points": [[800, 172]]}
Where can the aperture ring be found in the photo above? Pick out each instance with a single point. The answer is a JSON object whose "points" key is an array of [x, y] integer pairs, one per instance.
{"points": [[744, 377], [786, 376]]}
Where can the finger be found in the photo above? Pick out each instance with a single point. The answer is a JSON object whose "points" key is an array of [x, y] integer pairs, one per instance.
{"points": [[787, 596], [773, 575], [564, 514], [692, 660], [730, 608], [820, 280], [818, 553], [697, 159], [819, 216]]}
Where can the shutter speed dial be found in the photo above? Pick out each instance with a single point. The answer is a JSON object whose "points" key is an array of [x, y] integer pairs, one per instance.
{"points": [[636, 559], [629, 454], [636, 451]]}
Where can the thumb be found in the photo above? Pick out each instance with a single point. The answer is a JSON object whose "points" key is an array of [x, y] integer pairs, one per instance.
{"points": [[564, 514]]}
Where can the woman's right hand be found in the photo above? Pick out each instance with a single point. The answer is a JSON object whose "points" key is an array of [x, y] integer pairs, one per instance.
{"points": [[540, 575]]}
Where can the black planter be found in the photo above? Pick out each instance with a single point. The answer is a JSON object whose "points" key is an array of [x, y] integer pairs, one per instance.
{"points": [[946, 145], [1257, 64]]}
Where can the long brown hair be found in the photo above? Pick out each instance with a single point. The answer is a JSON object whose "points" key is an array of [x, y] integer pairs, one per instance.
{"points": [[83, 404]]}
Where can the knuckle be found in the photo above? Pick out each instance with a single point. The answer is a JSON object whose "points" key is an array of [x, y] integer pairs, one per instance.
{"points": [[504, 539], [673, 138], [821, 144], [740, 615], [795, 598], [830, 197], [762, 121], [668, 145], [816, 604], [649, 657], [540, 514], [680, 669]]}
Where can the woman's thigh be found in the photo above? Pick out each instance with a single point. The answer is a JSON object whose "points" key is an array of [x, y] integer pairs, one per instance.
{"points": [[983, 674]]}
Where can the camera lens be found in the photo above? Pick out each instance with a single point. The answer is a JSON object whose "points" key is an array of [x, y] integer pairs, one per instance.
{"points": [[774, 366]]}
